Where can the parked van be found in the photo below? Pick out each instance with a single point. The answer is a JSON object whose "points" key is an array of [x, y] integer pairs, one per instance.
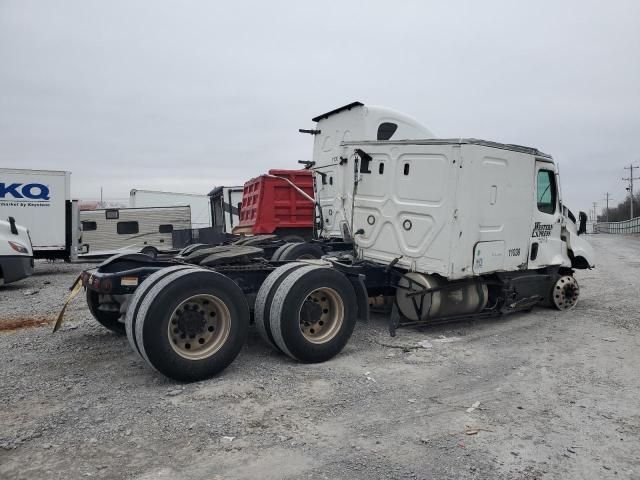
{"points": [[16, 252], [147, 230]]}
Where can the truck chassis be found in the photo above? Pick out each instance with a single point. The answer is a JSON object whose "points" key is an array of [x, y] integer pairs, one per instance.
{"points": [[242, 283]]}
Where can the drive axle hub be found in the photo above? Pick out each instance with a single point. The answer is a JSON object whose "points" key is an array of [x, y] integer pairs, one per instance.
{"points": [[199, 326], [565, 293], [321, 315], [191, 321]]}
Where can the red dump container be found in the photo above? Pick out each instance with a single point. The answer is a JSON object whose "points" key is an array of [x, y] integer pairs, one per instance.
{"points": [[272, 205]]}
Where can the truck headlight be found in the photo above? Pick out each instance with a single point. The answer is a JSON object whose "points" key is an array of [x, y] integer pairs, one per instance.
{"points": [[18, 247]]}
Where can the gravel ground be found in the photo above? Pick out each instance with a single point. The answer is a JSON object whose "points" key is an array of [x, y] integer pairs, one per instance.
{"points": [[538, 395]]}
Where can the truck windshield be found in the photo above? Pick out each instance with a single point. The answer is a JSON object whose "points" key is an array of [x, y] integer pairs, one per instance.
{"points": [[546, 190]]}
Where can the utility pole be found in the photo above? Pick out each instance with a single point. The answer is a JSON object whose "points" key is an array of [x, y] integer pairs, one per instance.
{"points": [[630, 180], [607, 196]]}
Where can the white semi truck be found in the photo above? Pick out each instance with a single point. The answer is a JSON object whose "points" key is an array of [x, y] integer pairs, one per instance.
{"points": [[40, 200], [451, 228], [16, 253]]}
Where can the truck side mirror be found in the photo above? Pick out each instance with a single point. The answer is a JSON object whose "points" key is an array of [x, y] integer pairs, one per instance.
{"points": [[12, 223]]}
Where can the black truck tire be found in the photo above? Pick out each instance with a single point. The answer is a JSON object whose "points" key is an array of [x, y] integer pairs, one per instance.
{"points": [[276, 255], [301, 251], [138, 296], [109, 320], [192, 324], [293, 239], [150, 252], [313, 313], [192, 248], [262, 306]]}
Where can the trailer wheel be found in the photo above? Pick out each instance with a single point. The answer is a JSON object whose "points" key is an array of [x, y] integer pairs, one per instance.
{"points": [[301, 251], [139, 295], [192, 324], [108, 320], [276, 255], [150, 252], [262, 306], [565, 293], [313, 313]]}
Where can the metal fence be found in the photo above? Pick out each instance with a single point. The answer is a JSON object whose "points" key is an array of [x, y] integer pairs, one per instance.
{"points": [[626, 226]]}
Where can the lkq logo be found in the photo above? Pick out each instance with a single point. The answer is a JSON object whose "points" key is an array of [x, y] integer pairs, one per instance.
{"points": [[24, 194]]}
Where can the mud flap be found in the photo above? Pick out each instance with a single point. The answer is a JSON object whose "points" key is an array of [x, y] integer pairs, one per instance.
{"points": [[75, 289], [362, 298]]}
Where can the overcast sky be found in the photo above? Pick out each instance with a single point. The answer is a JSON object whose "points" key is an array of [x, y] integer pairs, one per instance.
{"points": [[183, 96]]}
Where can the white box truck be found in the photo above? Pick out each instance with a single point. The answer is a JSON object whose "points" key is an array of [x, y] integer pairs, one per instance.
{"points": [[40, 200], [199, 204]]}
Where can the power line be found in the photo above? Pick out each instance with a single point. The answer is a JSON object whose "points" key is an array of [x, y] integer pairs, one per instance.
{"points": [[630, 180]]}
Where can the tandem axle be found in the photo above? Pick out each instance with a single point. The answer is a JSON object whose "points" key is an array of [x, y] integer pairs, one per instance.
{"points": [[189, 321]]}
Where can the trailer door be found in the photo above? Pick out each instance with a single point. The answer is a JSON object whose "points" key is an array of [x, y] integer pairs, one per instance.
{"points": [[546, 246]]}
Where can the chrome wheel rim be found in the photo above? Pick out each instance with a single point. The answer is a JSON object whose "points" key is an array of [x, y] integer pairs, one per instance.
{"points": [[321, 315], [199, 327], [565, 293]]}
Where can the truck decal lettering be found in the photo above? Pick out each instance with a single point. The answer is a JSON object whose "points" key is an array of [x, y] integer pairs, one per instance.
{"points": [[541, 230], [42, 191], [33, 191], [10, 189]]}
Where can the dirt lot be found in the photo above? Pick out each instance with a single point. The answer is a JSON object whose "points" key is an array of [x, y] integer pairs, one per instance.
{"points": [[556, 396]]}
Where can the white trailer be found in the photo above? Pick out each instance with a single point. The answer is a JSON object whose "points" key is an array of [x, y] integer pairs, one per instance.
{"points": [[40, 200], [16, 252], [199, 204], [225, 207], [146, 230]]}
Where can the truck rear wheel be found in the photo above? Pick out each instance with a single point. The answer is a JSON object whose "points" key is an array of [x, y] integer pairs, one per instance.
{"points": [[192, 324], [192, 248], [276, 255], [301, 251], [150, 252], [262, 306], [313, 313], [107, 319], [565, 293], [138, 296]]}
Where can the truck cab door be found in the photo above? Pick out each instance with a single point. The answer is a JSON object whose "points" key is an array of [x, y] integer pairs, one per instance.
{"points": [[333, 201], [546, 245]]}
